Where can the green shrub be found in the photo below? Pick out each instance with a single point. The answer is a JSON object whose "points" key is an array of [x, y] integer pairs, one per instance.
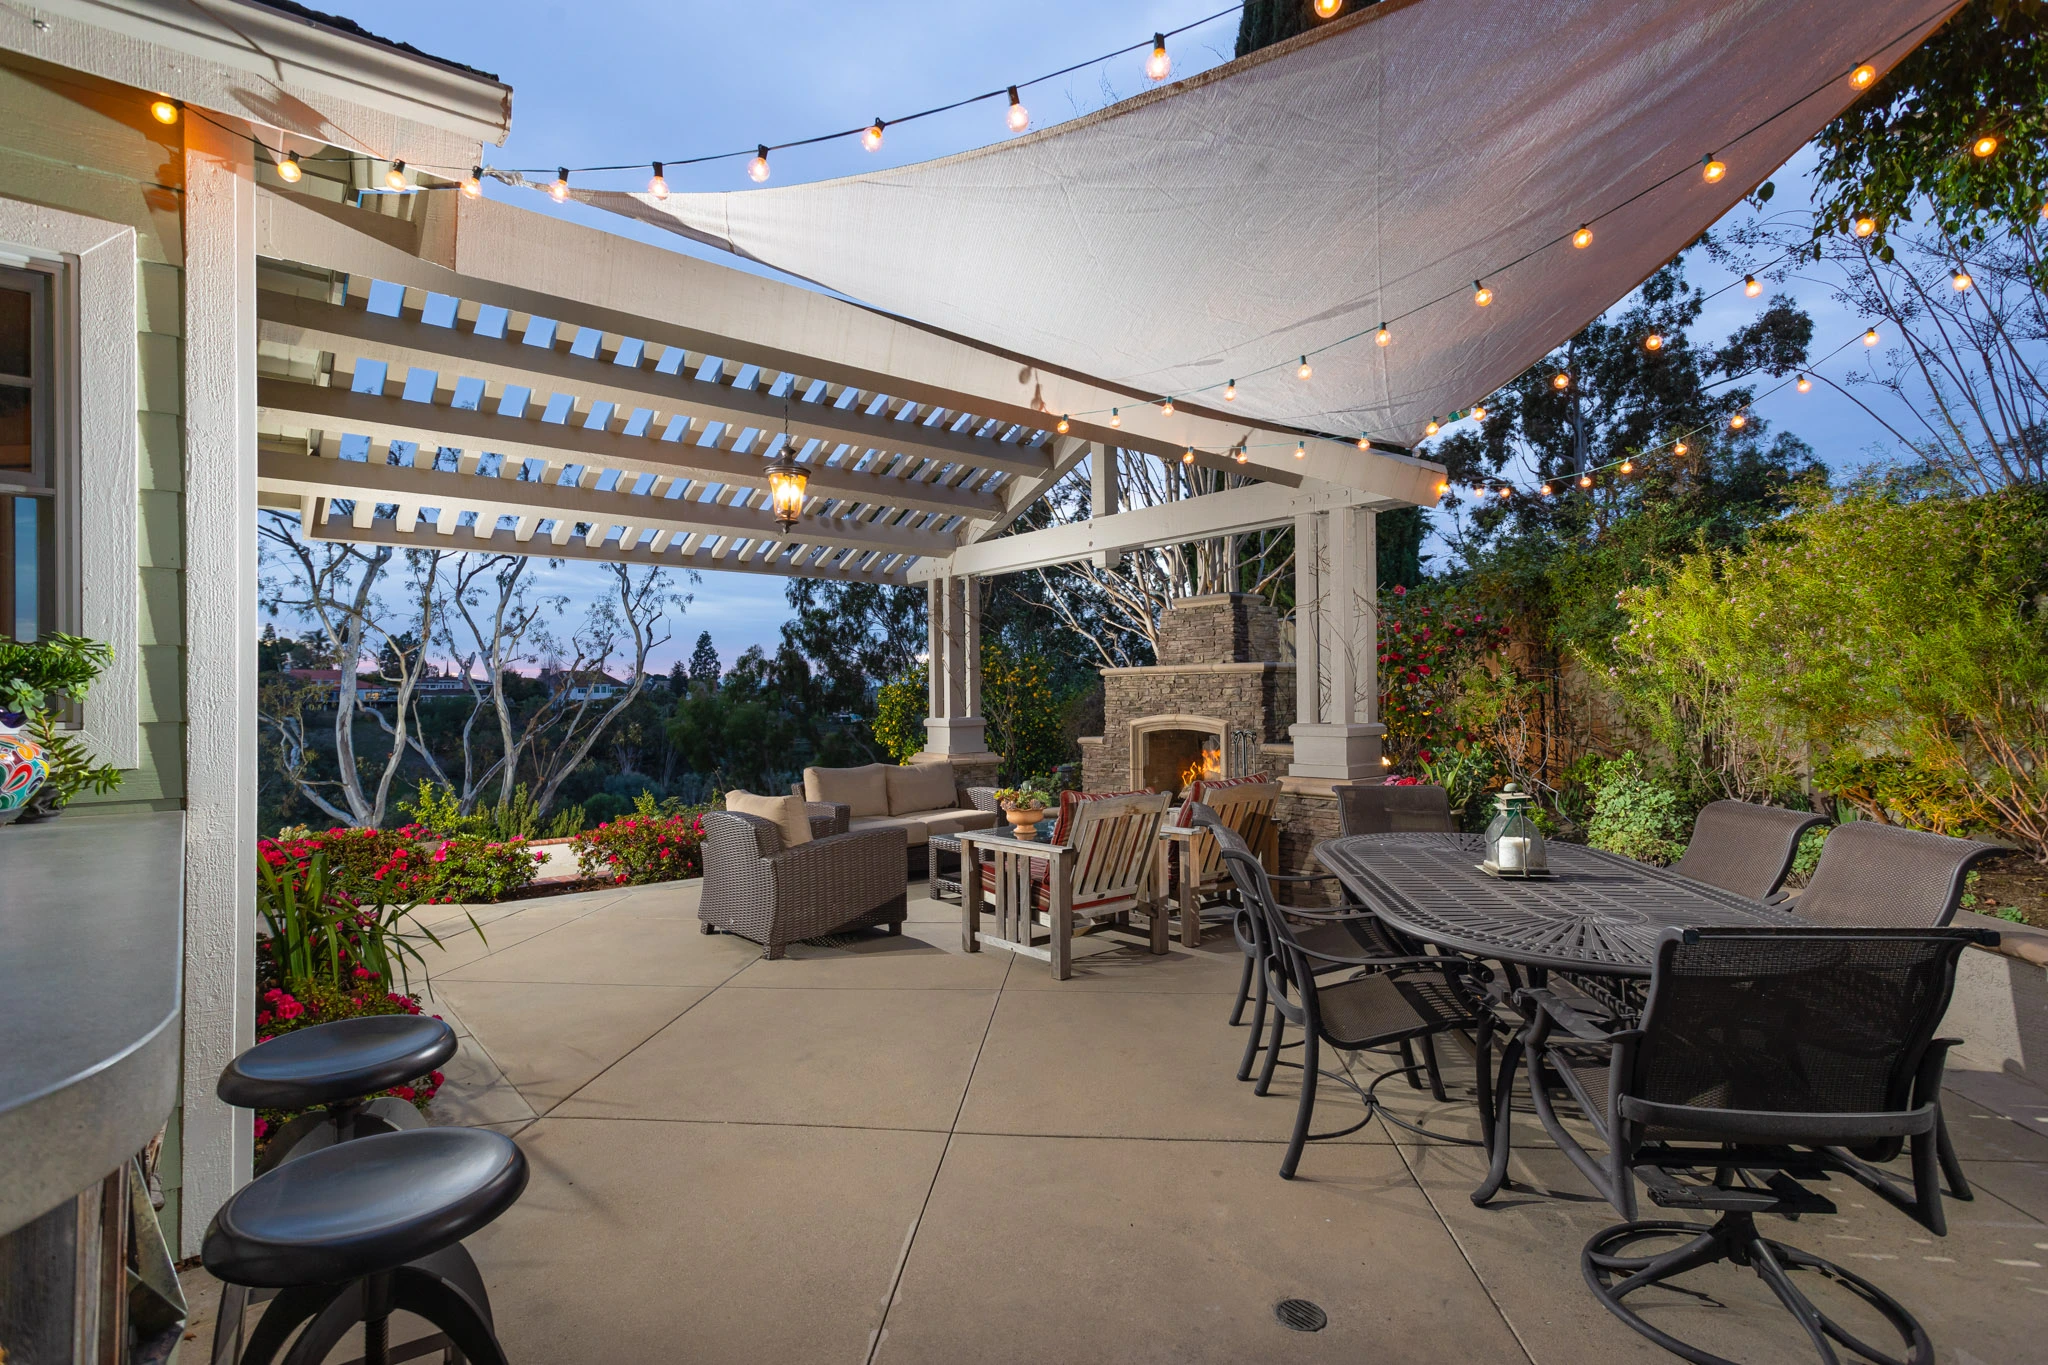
{"points": [[1464, 775], [900, 713], [437, 808], [1636, 813]]}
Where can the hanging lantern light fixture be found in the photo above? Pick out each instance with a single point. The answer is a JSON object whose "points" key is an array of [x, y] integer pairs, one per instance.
{"points": [[786, 479]]}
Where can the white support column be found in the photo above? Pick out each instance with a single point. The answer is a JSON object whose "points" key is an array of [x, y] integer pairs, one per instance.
{"points": [[1344, 742], [1104, 496], [1308, 607], [955, 729], [220, 662]]}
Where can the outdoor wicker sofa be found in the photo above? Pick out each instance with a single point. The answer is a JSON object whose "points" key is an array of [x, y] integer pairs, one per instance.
{"points": [[921, 799], [841, 880]]}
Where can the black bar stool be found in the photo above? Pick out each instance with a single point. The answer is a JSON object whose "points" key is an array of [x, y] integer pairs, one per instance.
{"points": [[357, 1231]]}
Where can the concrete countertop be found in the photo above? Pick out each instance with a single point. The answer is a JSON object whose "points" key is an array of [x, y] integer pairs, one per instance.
{"points": [[91, 967]]}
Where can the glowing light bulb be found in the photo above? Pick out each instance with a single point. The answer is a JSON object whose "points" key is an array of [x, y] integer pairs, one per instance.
{"points": [[1230, 392], [1737, 422], [1628, 466], [1583, 238], [1478, 490], [1653, 342], [163, 111], [1115, 419], [1062, 426], [395, 177], [1481, 295], [560, 189], [1304, 372], [1365, 443], [1585, 480], [1752, 286], [1431, 427], [1984, 146], [1679, 447], [757, 169], [1870, 337], [1560, 380], [1158, 66], [473, 183], [1713, 168], [1442, 487], [1805, 385], [1300, 450], [1862, 76], [1865, 226], [1327, 9], [1479, 414], [1961, 279], [1166, 408], [289, 170], [1544, 490], [1188, 456], [872, 137], [1504, 494], [1240, 455], [1383, 337], [1019, 118], [657, 184]]}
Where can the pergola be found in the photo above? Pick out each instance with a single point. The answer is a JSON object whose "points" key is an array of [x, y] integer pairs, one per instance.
{"points": [[477, 376]]}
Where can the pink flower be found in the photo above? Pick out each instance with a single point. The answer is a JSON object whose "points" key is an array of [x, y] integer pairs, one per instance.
{"points": [[404, 1092], [435, 1076], [289, 1009], [262, 1126], [1400, 591], [365, 974]]}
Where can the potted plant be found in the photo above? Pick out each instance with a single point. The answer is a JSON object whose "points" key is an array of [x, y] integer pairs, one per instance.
{"points": [[41, 767], [1023, 806]]}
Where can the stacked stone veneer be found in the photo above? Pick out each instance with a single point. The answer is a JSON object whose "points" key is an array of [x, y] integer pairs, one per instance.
{"points": [[1218, 660]]}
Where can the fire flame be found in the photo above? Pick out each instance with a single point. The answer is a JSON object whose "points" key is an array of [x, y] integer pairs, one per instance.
{"points": [[1209, 766]]}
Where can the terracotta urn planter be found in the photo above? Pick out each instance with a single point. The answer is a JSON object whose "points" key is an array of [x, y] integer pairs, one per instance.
{"points": [[1025, 822]]}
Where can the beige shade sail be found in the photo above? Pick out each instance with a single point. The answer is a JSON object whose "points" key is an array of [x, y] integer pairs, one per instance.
{"points": [[1370, 171]]}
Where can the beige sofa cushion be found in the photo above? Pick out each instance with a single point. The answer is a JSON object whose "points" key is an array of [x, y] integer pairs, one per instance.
{"points": [[921, 786], [912, 827], [786, 812], [863, 791]]}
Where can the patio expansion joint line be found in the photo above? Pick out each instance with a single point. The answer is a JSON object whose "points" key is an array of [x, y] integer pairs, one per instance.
{"points": [[1466, 1255], [910, 1238], [642, 1043]]}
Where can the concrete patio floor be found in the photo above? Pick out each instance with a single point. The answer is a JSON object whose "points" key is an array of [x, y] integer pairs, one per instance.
{"points": [[894, 1152]]}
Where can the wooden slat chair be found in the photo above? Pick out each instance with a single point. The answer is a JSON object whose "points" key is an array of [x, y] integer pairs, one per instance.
{"points": [[1191, 866], [1099, 869]]}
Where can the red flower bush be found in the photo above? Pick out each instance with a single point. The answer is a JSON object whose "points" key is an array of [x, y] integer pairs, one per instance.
{"points": [[281, 1012], [397, 865], [641, 848], [1426, 643]]}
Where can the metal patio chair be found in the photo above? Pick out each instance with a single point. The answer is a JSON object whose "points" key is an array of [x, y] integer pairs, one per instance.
{"points": [[1745, 848], [1391, 1000], [1763, 1058]]}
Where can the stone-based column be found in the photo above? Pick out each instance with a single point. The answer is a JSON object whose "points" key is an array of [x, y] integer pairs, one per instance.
{"points": [[1342, 741], [954, 727]]}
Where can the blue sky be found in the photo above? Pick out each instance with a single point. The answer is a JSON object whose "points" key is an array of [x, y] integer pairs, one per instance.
{"points": [[623, 81]]}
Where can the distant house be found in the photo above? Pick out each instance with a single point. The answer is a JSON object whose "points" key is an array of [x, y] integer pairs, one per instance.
{"points": [[592, 684], [325, 685]]}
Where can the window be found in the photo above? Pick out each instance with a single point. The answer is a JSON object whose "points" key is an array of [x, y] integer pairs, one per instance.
{"points": [[32, 468]]}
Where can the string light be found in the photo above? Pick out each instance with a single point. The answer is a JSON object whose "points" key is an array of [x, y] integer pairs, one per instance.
{"points": [[1560, 380], [1019, 117], [1805, 385], [1304, 372], [1166, 408], [1585, 480], [1713, 168], [1158, 66], [1870, 337], [163, 111], [1984, 146], [1442, 487], [657, 185], [560, 189], [872, 137], [1230, 392], [1114, 419], [1865, 226], [1583, 238], [1751, 286], [1188, 456], [1628, 466], [1431, 427], [757, 169], [1504, 493], [1383, 337], [395, 177], [1737, 422], [1478, 414], [1240, 455], [1545, 490], [1678, 448], [1327, 9], [1063, 426], [289, 170], [1960, 279], [1481, 295], [1301, 450], [1862, 76], [1365, 443], [473, 183], [1478, 490], [1653, 342]]}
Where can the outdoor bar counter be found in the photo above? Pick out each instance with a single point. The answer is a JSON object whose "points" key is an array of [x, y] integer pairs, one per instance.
{"points": [[91, 967]]}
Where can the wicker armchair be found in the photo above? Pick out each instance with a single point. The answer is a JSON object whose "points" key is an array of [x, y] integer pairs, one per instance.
{"points": [[759, 890]]}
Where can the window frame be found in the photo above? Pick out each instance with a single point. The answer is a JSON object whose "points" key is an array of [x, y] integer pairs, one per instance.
{"points": [[54, 472], [95, 449]]}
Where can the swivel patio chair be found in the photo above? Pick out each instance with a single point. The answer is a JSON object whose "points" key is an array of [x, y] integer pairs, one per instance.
{"points": [[1765, 1057], [357, 1231], [1745, 848], [1873, 875], [1376, 808], [1392, 1000]]}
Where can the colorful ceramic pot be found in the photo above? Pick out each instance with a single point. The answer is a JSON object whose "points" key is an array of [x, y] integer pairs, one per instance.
{"points": [[22, 771]]}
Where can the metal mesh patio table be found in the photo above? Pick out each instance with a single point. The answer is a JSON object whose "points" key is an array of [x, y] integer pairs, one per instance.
{"points": [[1598, 915]]}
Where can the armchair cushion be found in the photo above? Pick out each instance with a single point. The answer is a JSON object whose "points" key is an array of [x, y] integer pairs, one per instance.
{"points": [[788, 814], [863, 790], [1070, 802], [920, 787], [1199, 792]]}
